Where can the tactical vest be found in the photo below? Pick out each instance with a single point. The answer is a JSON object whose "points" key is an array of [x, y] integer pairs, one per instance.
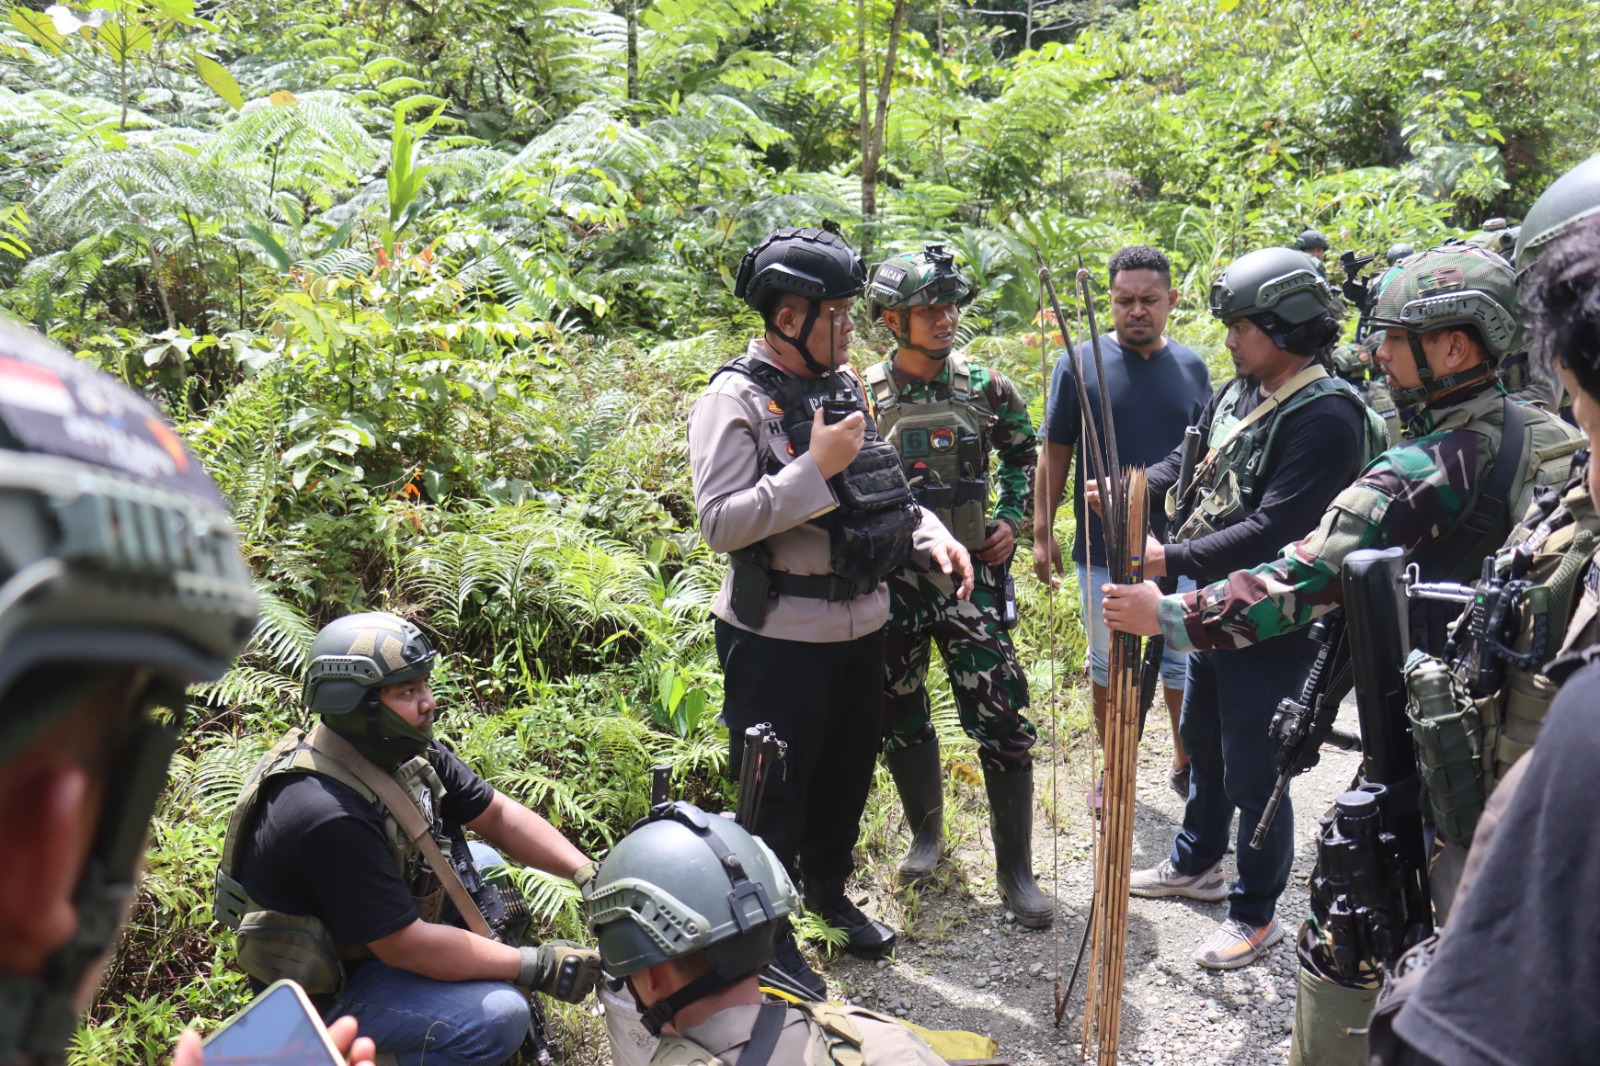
{"points": [[1476, 711], [1380, 398], [271, 944], [943, 446], [835, 1040], [1225, 484], [869, 533]]}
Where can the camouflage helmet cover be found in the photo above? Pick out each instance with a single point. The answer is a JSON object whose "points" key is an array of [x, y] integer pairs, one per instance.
{"points": [[360, 652], [1458, 285], [1572, 196], [916, 279]]}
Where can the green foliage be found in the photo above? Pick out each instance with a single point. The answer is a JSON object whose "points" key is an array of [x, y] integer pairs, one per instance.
{"points": [[431, 289]]}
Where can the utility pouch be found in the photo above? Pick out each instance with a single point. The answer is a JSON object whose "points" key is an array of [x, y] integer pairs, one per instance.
{"points": [[969, 453], [752, 585], [968, 521], [1445, 726], [935, 496], [870, 533], [274, 945]]}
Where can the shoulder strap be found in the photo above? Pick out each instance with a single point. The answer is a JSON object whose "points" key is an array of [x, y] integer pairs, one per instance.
{"points": [[763, 373], [1489, 509], [880, 382], [245, 805], [960, 378], [1314, 372], [405, 812], [678, 1050]]}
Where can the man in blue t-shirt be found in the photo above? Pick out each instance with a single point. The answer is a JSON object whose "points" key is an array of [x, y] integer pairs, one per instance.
{"points": [[1158, 388]]}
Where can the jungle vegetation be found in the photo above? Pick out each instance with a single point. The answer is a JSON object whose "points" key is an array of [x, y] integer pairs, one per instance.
{"points": [[431, 286]]}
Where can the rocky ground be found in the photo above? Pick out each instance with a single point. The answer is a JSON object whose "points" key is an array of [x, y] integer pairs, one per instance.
{"points": [[963, 965]]}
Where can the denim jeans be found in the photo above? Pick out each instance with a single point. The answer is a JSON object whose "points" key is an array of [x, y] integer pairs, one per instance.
{"points": [[436, 1023], [1228, 702], [1089, 582]]}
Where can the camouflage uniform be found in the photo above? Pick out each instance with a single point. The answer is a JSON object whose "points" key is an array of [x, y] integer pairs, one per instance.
{"points": [[1411, 497], [991, 691]]}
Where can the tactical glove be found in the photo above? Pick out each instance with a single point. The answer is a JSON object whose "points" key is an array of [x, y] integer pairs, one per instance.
{"points": [[583, 875], [560, 969]]}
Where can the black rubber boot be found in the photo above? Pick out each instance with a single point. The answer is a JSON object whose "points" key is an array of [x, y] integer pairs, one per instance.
{"points": [[869, 938], [919, 778], [1011, 821], [787, 959]]}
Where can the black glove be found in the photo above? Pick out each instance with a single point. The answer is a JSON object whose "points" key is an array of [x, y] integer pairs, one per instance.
{"points": [[560, 969]]}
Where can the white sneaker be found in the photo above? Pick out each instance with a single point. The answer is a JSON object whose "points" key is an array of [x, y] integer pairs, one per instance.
{"points": [[1236, 944], [1163, 880]]}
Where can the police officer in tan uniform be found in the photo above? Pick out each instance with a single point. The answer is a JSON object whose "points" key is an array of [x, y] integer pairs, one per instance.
{"points": [[792, 480]]}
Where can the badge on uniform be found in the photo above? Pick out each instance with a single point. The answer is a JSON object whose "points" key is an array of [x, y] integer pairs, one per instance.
{"points": [[942, 440]]}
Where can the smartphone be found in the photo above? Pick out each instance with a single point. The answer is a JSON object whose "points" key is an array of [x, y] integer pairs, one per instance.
{"points": [[279, 1027]]}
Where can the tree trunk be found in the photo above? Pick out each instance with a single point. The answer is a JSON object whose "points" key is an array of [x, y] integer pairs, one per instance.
{"points": [[633, 55], [872, 140]]}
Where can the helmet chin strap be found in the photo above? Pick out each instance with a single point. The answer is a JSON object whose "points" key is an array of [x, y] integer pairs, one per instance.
{"points": [[798, 341], [902, 338], [1431, 386]]}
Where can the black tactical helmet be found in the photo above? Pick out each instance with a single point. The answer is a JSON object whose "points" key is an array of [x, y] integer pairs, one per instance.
{"points": [[117, 559], [351, 659], [683, 882], [1309, 239], [1572, 196], [1397, 252], [1280, 290], [814, 264]]}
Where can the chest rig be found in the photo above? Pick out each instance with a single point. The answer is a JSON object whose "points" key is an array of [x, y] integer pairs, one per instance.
{"points": [[943, 446], [273, 945], [1477, 708], [869, 532], [1225, 485]]}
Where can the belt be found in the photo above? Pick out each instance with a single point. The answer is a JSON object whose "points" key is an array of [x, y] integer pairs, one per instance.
{"points": [[830, 587]]}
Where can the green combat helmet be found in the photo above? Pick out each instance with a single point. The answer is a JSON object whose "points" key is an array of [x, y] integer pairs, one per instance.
{"points": [[685, 882], [1572, 196], [917, 279], [118, 559], [351, 659], [1458, 285], [1280, 290]]}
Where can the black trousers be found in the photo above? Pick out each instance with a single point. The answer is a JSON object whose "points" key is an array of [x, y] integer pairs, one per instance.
{"points": [[826, 702]]}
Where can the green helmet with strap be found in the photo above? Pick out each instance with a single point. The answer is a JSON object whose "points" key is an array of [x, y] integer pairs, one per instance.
{"points": [[1282, 292], [1397, 252], [1572, 196], [916, 279], [350, 661], [685, 882], [1450, 287], [1309, 240], [119, 564]]}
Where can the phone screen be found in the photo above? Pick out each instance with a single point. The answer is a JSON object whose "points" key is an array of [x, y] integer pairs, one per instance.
{"points": [[277, 1028]]}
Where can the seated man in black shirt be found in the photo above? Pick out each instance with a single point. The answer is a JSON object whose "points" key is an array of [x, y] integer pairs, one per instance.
{"points": [[331, 883]]}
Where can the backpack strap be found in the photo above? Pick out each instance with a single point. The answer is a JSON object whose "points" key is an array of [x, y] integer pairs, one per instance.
{"points": [[960, 379], [1312, 373], [340, 750], [1487, 515], [840, 1037]]}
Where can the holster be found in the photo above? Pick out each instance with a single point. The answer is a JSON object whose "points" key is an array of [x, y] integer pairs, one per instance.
{"points": [[752, 584]]}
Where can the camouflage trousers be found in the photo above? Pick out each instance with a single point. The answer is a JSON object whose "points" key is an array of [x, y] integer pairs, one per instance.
{"points": [[991, 692]]}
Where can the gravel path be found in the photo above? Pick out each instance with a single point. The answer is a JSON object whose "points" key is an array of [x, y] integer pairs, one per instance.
{"points": [[963, 965]]}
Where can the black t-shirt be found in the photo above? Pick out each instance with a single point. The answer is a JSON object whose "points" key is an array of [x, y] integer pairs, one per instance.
{"points": [[319, 848], [1516, 981], [1152, 401], [1317, 454]]}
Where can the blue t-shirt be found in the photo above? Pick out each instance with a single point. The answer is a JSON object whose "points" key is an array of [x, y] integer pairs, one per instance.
{"points": [[1152, 401]]}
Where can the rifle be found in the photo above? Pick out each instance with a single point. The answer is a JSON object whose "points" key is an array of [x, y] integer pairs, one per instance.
{"points": [[506, 911], [1300, 726], [762, 750], [1377, 872], [1155, 648]]}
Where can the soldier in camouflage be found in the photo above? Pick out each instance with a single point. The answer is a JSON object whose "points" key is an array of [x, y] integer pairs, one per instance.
{"points": [[946, 416], [1448, 315], [1353, 362]]}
